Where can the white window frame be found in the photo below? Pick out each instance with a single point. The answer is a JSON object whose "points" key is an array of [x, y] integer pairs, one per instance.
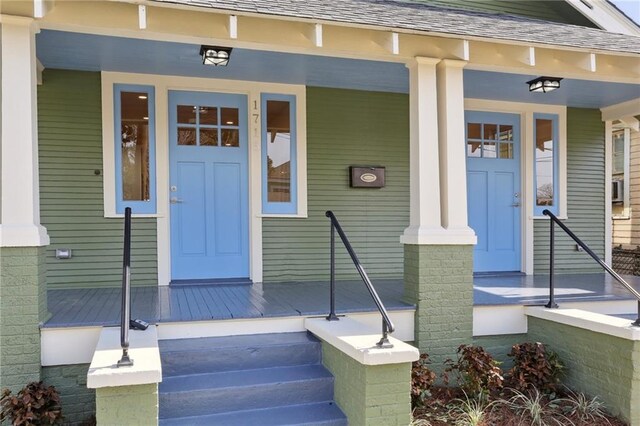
{"points": [[163, 84], [527, 163], [626, 203]]}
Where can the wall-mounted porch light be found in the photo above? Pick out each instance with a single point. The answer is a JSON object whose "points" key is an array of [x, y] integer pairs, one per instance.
{"points": [[544, 84], [215, 55]]}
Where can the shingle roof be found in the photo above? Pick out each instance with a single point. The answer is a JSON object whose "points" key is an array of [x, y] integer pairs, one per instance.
{"points": [[415, 16]]}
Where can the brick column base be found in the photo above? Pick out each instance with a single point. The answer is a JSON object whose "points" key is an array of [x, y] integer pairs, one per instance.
{"points": [[23, 306], [438, 279]]}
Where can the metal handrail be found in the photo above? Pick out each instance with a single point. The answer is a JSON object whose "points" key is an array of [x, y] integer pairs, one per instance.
{"points": [[554, 220], [387, 324], [125, 316]]}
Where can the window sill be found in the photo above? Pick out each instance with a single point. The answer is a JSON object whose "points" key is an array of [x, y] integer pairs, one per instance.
{"points": [[547, 217], [133, 215], [290, 216], [621, 217]]}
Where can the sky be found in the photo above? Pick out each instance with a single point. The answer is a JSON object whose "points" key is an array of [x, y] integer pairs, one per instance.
{"points": [[630, 7]]}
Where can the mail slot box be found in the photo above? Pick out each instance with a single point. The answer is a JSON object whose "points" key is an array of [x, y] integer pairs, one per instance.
{"points": [[366, 177]]}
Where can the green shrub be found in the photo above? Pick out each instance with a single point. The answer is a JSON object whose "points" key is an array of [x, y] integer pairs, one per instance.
{"points": [[422, 379], [35, 404], [535, 367], [477, 372]]}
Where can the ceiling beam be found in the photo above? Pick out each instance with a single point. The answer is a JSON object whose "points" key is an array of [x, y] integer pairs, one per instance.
{"points": [[618, 111], [142, 17], [233, 27], [314, 33], [631, 122]]}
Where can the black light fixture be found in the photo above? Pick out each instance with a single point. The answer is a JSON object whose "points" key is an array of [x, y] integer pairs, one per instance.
{"points": [[544, 84], [215, 55]]}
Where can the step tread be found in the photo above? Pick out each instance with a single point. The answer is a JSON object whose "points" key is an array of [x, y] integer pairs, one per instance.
{"points": [[241, 341], [324, 413], [241, 378]]}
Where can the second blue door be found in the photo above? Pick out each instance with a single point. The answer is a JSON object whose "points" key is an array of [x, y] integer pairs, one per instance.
{"points": [[493, 188], [209, 185]]}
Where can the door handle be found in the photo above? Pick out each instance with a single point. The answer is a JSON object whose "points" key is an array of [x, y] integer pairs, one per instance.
{"points": [[175, 200], [515, 205]]}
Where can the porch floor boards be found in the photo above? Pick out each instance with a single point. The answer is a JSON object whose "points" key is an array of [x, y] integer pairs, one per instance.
{"points": [[519, 289], [101, 306]]}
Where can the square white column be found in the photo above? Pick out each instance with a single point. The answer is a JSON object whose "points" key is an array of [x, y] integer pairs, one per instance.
{"points": [[424, 219], [20, 206], [453, 161]]}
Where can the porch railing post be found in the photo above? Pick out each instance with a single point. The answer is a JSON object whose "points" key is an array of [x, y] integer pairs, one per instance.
{"points": [[332, 315], [125, 316], [552, 303], [637, 321]]}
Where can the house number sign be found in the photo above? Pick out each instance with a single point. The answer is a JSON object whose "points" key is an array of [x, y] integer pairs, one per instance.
{"points": [[366, 176]]}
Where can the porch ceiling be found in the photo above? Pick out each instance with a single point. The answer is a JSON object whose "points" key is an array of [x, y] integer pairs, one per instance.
{"points": [[65, 50]]}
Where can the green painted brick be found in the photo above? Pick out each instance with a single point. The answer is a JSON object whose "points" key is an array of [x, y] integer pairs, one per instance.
{"points": [[23, 306], [596, 364], [442, 291], [130, 405], [77, 401], [370, 394]]}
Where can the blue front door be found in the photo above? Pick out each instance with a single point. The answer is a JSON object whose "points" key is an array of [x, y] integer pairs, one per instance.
{"points": [[493, 188], [208, 151]]}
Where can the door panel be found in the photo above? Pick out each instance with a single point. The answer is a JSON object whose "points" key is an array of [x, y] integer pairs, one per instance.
{"points": [[192, 218], [228, 199], [208, 149], [493, 182]]}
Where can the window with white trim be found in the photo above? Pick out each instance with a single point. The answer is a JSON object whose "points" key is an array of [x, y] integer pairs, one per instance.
{"points": [[279, 154], [621, 140], [134, 131], [545, 170]]}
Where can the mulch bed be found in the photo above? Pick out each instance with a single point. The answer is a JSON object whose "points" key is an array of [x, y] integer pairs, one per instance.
{"points": [[437, 411]]}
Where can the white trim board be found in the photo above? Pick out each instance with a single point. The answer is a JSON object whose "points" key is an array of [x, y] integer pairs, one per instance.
{"points": [[526, 111], [163, 84], [403, 320], [497, 320]]}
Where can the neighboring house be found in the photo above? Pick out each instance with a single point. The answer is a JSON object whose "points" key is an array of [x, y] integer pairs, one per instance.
{"points": [[626, 183], [229, 170]]}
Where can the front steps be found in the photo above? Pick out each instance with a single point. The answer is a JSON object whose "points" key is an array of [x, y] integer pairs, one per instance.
{"points": [[265, 379]]}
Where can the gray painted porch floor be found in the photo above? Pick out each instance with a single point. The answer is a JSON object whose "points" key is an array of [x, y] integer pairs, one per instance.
{"points": [[517, 289], [101, 306]]}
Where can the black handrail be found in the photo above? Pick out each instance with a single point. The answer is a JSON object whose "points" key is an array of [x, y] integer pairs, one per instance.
{"points": [[125, 316], [387, 325], [554, 220]]}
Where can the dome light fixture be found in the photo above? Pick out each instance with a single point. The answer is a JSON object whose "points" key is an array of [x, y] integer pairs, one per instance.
{"points": [[544, 84], [215, 55]]}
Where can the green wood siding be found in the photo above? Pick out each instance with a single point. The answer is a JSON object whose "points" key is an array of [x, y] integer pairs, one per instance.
{"points": [[346, 127], [585, 181], [548, 10], [71, 194]]}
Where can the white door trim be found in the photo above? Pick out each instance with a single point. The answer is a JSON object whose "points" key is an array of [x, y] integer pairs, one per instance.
{"points": [[163, 84], [526, 111]]}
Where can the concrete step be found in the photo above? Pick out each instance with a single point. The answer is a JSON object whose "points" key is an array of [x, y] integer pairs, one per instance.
{"points": [[217, 354], [249, 389], [318, 414]]}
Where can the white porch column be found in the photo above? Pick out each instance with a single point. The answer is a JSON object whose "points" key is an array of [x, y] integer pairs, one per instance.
{"points": [[453, 168], [19, 185], [424, 219]]}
